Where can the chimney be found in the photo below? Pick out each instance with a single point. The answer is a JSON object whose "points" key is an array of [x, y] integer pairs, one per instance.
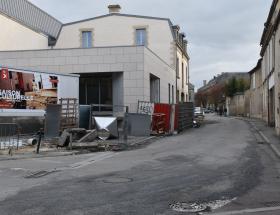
{"points": [[204, 82], [114, 8]]}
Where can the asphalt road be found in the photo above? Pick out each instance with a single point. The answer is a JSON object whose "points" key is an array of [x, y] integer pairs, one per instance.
{"points": [[219, 161]]}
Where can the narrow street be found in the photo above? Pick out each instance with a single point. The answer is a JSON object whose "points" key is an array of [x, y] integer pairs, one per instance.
{"points": [[219, 161]]}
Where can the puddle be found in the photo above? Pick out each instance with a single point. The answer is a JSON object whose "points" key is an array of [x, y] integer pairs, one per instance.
{"points": [[200, 207]]}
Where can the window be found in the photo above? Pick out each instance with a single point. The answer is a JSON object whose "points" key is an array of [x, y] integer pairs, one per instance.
{"points": [[86, 39], [187, 75], [141, 37], [183, 78], [172, 94], [177, 67], [169, 94], [253, 84]]}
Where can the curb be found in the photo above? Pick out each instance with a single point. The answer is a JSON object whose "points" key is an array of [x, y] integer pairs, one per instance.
{"points": [[38, 156], [266, 140], [143, 141]]}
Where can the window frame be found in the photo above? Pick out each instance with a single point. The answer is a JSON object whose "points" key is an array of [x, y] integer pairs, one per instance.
{"points": [[90, 40]]}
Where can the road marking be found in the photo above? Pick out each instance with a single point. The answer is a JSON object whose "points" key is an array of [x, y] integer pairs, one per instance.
{"points": [[247, 211]]}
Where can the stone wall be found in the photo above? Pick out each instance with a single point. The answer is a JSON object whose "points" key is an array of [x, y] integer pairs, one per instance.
{"points": [[239, 105]]}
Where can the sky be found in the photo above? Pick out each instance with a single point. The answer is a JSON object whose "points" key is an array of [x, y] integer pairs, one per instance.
{"points": [[223, 35]]}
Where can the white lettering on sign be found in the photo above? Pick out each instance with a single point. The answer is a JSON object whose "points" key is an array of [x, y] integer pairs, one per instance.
{"points": [[14, 95], [145, 108]]}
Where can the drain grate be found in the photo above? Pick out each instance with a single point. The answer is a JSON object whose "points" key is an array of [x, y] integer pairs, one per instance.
{"points": [[40, 174], [117, 180]]}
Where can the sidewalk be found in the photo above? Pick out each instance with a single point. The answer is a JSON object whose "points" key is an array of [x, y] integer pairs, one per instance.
{"points": [[78, 148], [265, 134], [32, 154]]}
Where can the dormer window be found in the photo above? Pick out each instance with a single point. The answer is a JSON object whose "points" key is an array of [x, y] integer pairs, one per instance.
{"points": [[141, 37], [86, 39]]}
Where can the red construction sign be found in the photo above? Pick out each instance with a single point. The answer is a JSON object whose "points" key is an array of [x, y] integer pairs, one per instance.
{"points": [[4, 74]]}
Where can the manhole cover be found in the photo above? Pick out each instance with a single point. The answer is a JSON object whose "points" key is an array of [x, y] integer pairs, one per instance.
{"points": [[188, 207], [117, 180]]}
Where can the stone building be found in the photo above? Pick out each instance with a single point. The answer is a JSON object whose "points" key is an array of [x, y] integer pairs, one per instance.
{"points": [[256, 93], [270, 67], [120, 58]]}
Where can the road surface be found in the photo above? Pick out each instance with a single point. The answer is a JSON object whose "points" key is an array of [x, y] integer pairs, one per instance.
{"points": [[219, 161]]}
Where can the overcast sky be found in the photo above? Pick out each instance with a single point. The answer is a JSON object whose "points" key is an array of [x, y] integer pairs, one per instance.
{"points": [[223, 35]]}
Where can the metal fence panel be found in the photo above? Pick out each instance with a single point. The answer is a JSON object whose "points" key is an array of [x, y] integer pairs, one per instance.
{"points": [[9, 136]]}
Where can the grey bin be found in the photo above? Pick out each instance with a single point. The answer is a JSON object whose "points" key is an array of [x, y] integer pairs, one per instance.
{"points": [[139, 124]]}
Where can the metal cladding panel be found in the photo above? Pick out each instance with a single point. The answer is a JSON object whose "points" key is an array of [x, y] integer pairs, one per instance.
{"points": [[30, 15], [52, 120]]}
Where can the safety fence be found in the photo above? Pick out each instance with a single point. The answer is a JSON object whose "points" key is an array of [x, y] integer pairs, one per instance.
{"points": [[9, 136]]}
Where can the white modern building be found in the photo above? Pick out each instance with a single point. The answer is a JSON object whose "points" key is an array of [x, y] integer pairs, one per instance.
{"points": [[121, 59]]}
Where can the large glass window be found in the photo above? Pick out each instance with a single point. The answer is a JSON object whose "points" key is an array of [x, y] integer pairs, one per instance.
{"points": [[141, 37], [86, 39]]}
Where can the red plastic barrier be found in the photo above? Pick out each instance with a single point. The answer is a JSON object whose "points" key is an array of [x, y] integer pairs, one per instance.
{"points": [[165, 109]]}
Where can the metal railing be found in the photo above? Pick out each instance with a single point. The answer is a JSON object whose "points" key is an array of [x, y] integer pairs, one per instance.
{"points": [[9, 136]]}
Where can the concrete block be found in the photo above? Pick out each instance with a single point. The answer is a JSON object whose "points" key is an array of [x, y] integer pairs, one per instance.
{"points": [[91, 68], [123, 58], [23, 62], [116, 67], [116, 51], [53, 68], [140, 66], [96, 59], [60, 61], [78, 68], [104, 68], [140, 83], [84, 60], [35, 62], [140, 49], [10, 55], [90, 52], [104, 51], [130, 50], [78, 52], [137, 58], [90, 137], [126, 76], [72, 60], [66, 53], [54, 53], [110, 59], [66, 69], [130, 66]]}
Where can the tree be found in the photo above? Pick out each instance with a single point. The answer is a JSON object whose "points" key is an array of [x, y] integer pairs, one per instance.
{"points": [[231, 87], [236, 86]]}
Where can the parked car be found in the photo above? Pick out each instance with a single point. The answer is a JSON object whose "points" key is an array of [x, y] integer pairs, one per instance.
{"points": [[198, 112], [206, 110]]}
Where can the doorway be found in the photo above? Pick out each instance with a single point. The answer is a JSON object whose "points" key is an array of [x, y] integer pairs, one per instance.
{"points": [[96, 89]]}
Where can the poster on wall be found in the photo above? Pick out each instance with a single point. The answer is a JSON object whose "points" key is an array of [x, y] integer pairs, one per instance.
{"points": [[27, 90]]}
